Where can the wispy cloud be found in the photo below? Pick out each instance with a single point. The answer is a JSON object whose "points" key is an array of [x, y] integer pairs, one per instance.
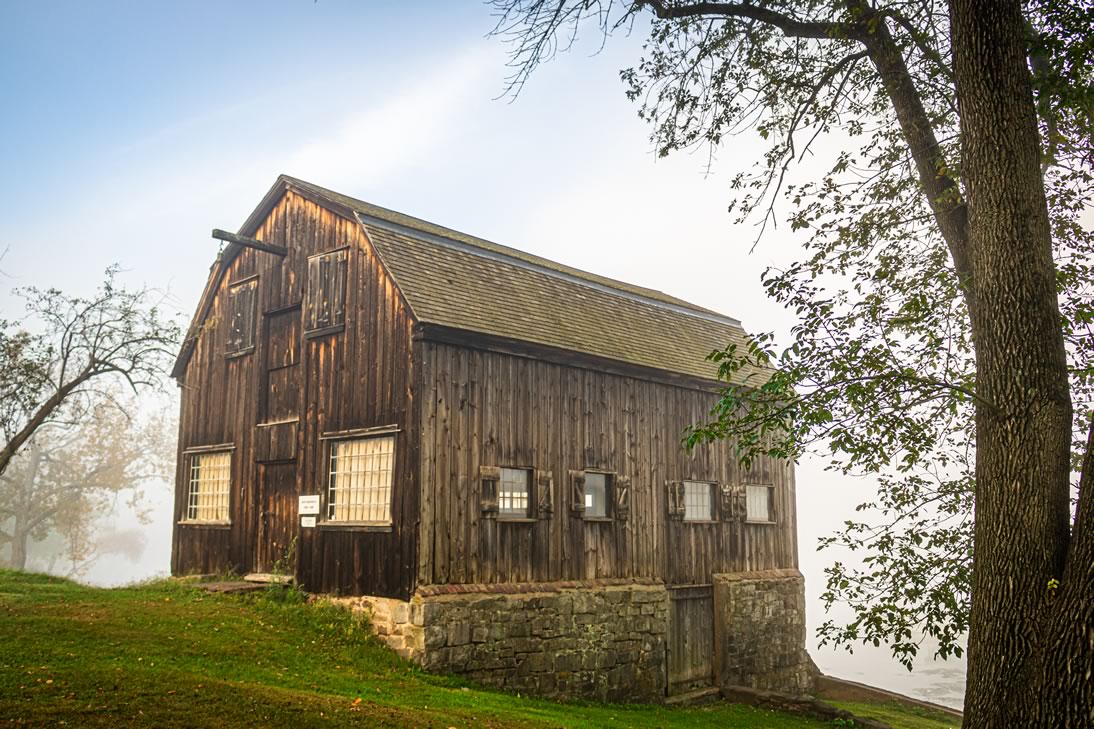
{"points": [[401, 132], [153, 210]]}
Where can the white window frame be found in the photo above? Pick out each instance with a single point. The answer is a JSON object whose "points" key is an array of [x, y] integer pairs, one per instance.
{"points": [[693, 491], [609, 488], [512, 512], [751, 491], [216, 476], [376, 510]]}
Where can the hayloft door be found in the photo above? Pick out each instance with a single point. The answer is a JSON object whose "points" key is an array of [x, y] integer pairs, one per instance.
{"points": [[691, 638]]}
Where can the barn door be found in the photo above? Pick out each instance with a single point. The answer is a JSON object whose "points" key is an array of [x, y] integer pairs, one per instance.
{"points": [[276, 518], [691, 638]]}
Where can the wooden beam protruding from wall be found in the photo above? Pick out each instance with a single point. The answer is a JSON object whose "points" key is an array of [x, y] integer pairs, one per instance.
{"points": [[250, 242]]}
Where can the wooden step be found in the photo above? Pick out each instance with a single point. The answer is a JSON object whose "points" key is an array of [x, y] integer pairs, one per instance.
{"points": [[705, 695], [268, 579], [230, 587]]}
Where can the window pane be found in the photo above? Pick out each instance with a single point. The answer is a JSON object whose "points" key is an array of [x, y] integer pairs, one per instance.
{"points": [[698, 503], [513, 490], [360, 480], [210, 486], [596, 494], [758, 502]]}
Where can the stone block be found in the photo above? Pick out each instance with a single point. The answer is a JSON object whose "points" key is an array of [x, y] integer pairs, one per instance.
{"points": [[459, 633]]}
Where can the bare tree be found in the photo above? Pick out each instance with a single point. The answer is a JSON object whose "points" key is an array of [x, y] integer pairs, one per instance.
{"points": [[67, 350]]}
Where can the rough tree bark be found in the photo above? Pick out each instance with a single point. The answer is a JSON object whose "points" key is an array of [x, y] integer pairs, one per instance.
{"points": [[1023, 437]]}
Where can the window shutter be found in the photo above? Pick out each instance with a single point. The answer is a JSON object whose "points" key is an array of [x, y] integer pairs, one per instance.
{"points": [[734, 502], [727, 503], [338, 288], [622, 485], [577, 492], [545, 487], [675, 499], [323, 306], [489, 476], [240, 313], [325, 299]]}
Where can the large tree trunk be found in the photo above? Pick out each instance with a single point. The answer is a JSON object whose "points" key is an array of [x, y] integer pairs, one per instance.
{"points": [[1023, 433], [1062, 692]]}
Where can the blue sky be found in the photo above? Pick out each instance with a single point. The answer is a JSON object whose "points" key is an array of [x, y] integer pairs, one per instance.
{"points": [[134, 128]]}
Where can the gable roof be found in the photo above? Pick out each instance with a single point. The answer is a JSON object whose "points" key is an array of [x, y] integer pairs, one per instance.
{"points": [[459, 281]]}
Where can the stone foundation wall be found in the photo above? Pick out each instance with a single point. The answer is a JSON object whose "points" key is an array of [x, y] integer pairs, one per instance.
{"points": [[606, 644], [597, 641], [398, 623], [603, 643], [759, 624]]}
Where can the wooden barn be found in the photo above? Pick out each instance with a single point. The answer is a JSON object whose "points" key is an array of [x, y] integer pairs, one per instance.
{"points": [[481, 447]]}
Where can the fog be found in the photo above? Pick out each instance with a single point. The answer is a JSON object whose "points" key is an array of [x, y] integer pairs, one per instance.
{"points": [[180, 131]]}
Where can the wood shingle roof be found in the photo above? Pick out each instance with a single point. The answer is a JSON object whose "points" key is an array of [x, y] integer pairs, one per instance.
{"points": [[457, 281]]}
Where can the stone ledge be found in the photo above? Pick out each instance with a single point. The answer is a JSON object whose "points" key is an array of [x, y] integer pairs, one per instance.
{"points": [[779, 574]]}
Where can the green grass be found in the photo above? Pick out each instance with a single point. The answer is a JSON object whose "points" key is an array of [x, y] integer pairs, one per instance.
{"points": [[167, 655], [897, 715]]}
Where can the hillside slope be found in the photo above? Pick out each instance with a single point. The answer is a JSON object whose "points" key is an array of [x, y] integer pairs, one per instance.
{"points": [[165, 654]]}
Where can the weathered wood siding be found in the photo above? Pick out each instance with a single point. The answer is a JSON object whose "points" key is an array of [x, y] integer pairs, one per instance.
{"points": [[358, 378], [486, 408]]}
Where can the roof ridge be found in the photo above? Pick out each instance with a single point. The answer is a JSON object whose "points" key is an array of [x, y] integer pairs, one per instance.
{"points": [[424, 226]]}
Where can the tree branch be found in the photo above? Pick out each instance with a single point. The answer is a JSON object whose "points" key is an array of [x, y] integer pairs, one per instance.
{"points": [[791, 27]]}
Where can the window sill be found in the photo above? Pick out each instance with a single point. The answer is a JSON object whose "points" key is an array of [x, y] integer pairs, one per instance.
{"points": [[600, 519], [760, 523], [354, 526], [240, 353], [701, 521], [312, 334], [205, 524], [517, 519]]}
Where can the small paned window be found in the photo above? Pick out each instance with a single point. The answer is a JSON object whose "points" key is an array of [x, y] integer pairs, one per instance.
{"points": [[210, 486], [240, 313], [760, 503], [514, 489], [597, 488], [360, 480], [698, 501], [325, 297]]}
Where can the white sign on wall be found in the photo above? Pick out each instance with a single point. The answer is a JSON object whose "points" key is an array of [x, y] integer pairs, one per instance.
{"points": [[308, 505], [307, 521]]}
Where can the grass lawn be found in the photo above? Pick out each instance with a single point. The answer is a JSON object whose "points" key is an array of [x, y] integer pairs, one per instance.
{"points": [[896, 715], [167, 655]]}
